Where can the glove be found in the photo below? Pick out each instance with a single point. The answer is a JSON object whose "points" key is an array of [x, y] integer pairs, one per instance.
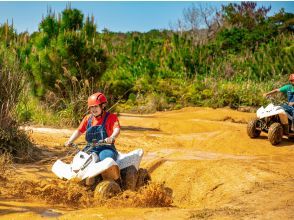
{"points": [[109, 140], [68, 144]]}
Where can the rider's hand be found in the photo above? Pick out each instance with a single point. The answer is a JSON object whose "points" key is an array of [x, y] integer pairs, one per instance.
{"points": [[68, 144], [109, 140], [265, 95], [291, 103]]}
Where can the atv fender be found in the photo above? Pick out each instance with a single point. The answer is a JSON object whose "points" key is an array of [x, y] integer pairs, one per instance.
{"points": [[112, 173], [86, 166], [270, 110], [63, 170], [283, 118], [132, 158], [100, 167]]}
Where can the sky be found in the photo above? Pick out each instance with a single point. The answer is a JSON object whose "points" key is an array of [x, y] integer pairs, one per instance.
{"points": [[118, 16]]}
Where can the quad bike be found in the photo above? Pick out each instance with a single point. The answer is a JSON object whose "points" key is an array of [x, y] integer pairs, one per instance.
{"points": [[272, 120], [107, 177]]}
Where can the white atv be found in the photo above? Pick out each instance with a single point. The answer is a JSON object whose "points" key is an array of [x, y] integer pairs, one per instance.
{"points": [[100, 175], [272, 120]]}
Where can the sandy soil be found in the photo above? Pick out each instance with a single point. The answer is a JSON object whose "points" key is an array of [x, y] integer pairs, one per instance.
{"points": [[203, 155]]}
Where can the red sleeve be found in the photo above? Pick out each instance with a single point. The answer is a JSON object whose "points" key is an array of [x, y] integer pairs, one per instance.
{"points": [[115, 122], [83, 125], [112, 122]]}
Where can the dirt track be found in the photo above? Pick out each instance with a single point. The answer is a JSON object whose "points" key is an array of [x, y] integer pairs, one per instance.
{"points": [[204, 155]]}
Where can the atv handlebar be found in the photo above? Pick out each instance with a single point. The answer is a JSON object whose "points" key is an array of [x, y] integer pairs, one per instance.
{"points": [[275, 100], [91, 145], [99, 143]]}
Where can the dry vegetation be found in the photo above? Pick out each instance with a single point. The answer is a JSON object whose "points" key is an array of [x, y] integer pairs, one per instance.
{"points": [[12, 140]]}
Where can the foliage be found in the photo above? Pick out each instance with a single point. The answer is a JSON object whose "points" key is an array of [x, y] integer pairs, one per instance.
{"points": [[60, 45], [249, 26], [283, 20], [49, 25], [12, 140], [67, 60], [245, 14], [72, 19]]}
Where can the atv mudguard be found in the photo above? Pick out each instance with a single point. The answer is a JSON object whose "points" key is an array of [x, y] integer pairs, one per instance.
{"points": [[108, 166]]}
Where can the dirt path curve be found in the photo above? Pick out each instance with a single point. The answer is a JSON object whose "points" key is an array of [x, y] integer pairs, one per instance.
{"points": [[204, 155]]}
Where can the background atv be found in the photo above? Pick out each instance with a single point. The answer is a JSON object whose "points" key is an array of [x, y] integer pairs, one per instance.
{"points": [[100, 175], [271, 120]]}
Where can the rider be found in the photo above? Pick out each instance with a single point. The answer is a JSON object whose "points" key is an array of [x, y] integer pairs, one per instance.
{"points": [[287, 90], [99, 125]]}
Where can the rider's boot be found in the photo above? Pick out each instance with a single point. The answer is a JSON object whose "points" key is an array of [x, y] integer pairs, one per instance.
{"points": [[286, 129]]}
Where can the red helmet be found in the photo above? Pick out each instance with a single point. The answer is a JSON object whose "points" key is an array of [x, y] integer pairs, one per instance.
{"points": [[291, 77], [96, 99]]}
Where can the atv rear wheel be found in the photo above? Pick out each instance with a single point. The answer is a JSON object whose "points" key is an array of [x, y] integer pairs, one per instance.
{"points": [[252, 130], [143, 178], [106, 189], [129, 178], [275, 133]]}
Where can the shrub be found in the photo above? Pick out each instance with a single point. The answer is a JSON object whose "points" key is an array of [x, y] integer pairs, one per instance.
{"points": [[12, 140]]}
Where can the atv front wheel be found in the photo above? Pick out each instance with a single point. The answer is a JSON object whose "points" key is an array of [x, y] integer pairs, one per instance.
{"points": [[106, 189], [143, 178], [252, 130], [275, 133]]}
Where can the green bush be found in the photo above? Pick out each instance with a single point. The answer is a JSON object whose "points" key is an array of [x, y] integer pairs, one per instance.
{"points": [[68, 59]]}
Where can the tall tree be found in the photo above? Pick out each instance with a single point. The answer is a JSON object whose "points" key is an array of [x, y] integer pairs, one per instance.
{"points": [[245, 15], [72, 54], [49, 24], [72, 19]]}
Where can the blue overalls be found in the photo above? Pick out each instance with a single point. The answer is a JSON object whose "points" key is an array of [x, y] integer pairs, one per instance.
{"points": [[97, 133], [287, 108]]}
